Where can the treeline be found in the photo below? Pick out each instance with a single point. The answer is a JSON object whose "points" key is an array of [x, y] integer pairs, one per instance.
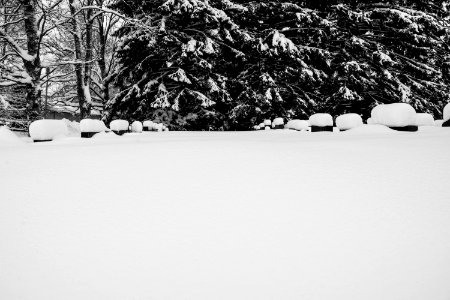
{"points": [[223, 64]]}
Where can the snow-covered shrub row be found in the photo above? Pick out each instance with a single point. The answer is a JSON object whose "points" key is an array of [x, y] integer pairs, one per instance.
{"points": [[147, 125], [446, 114], [394, 115], [119, 126], [424, 119], [136, 127], [348, 121], [278, 123], [297, 125], [92, 125], [321, 120], [47, 130]]}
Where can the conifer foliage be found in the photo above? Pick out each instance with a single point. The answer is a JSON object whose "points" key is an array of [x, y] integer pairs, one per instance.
{"points": [[220, 64]]}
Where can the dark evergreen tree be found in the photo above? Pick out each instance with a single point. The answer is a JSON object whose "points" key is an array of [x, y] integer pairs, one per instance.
{"points": [[179, 56]]}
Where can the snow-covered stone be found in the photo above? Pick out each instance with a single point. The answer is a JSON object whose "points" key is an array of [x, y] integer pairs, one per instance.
{"points": [[321, 120], [297, 125], [119, 125], [47, 130], [91, 125], [136, 126], [348, 121], [446, 112], [394, 115], [424, 119]]}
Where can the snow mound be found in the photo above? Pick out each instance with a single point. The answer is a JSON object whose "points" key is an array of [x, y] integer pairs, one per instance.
{"points": [[267, 122], [438, 123], [73, 127], [348, 121], [447, 112], [104, 135], [45, 130], [91, 125], [297, 125], [370, 129], [424, 119], [369, 121], [394, 115], [321, 120], [7, 137], [119, 125], [136, 126]]}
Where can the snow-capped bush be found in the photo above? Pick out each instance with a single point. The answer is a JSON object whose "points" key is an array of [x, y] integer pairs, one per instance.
{"points": [[394, 115], [446, 112], [267, 123], [7, 137], [348, 121], [424, 119], [297, 125], [91, 125], [261, 125], [148, 125], [47, 130], [321, 120], [119, 125], [136, 126]]}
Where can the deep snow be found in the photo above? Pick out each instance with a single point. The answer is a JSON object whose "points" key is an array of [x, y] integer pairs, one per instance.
{"points": [[279, 214]]}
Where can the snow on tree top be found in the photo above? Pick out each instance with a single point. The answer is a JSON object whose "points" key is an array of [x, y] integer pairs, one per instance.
{"points": [[281, 41], [180, 76]]}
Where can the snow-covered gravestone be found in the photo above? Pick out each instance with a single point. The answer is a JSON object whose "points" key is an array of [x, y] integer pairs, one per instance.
{"points": [[298, 125], [47, 130], [119, 126], [90, 127], [267, 124], [424, 119], [136, 127], [278, 123], [348, 121], [446, 118], [397, 116], [148, 126], [321, 122]]}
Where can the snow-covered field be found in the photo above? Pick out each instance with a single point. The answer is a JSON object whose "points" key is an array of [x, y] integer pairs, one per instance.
{"points": [[363, 214]]}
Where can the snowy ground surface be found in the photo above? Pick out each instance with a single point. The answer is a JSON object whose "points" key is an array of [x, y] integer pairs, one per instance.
{"points": [[363, 214]]}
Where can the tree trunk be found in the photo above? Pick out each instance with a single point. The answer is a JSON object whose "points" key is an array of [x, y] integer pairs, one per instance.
{"points": [[32, 67], [102, 56], [88, 55], [84, 108]]}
